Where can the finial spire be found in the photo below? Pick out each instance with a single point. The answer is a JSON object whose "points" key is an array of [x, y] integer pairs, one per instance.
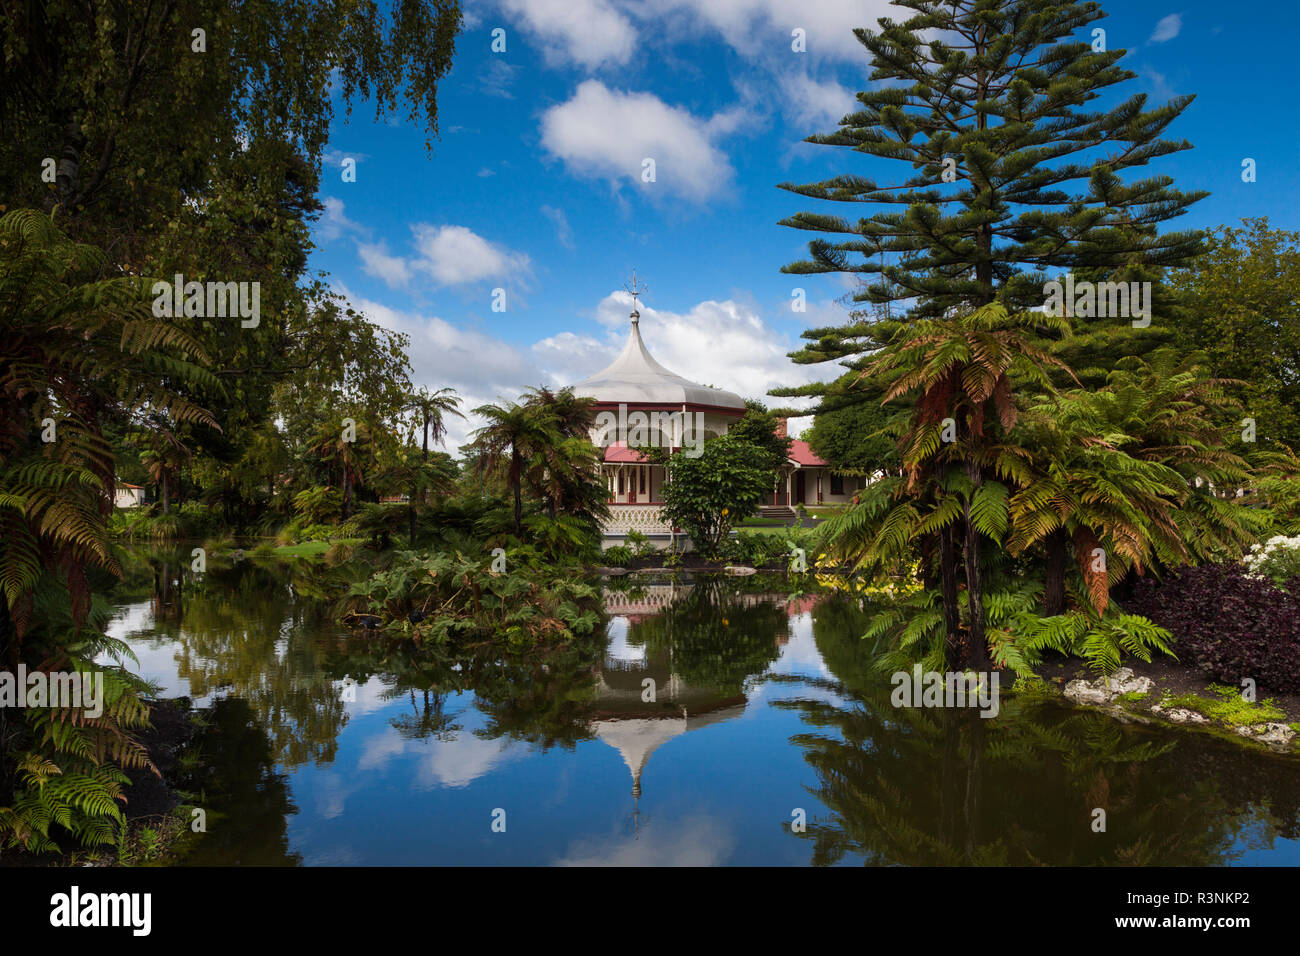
{"points": [[635, 290]]}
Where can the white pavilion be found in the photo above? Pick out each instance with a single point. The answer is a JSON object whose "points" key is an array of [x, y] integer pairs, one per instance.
{"points": [[634, 383]]}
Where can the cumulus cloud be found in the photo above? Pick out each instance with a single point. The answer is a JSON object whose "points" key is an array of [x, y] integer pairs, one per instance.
{"points": [[751, 26], [816, 105], [456, 254], [591, 33], [451, 255], [608, 133], [1168, 28], [375, 261], [333, 223]]}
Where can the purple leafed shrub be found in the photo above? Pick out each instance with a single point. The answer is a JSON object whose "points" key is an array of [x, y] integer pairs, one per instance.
{"points": [[1227, 624]]}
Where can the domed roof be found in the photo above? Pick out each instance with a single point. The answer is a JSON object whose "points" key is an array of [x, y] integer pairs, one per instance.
{"points": [[635, 378]]}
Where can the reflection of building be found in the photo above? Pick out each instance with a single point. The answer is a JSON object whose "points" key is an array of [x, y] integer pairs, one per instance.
{"points": [[657, 408], [643, 600], [636, 722]]}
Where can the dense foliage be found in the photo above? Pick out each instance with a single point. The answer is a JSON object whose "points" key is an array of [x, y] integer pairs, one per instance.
{"points": [[1229, 624]]}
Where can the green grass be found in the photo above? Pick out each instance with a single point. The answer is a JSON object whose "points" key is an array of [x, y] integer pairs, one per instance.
{"points": [[826, 511], [1228, 707], [311, 549]]}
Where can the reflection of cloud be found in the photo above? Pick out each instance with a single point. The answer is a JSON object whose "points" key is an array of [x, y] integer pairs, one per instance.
{"points": [[694, 842], [619, 649], [379, 749], [461, 761]]}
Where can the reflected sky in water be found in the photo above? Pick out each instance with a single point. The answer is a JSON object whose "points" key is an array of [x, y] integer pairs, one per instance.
{"points": [[763, 704]]}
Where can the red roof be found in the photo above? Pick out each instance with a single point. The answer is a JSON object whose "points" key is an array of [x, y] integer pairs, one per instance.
{"points": [[620, 454], [801, 453]]}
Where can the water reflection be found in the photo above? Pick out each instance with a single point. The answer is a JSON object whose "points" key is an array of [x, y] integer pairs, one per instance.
{"points": [[687, 732]]}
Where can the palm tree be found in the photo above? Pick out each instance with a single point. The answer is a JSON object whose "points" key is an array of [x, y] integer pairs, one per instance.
{"points": [[512, 435], [331, 442], [959, 462], [1088, 490], [566, 473], [432, 406]]}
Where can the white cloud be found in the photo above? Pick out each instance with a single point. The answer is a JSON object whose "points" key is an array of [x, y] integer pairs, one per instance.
{"points": [[333, 223], [375, 261], [455, 254], [591, 33], [753, 26], [1168, 28], [608, 133], [497, 78], [817, 106]]}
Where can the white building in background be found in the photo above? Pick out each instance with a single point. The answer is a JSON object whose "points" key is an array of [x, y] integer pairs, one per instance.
{"points": [[680, 412], [127, 495]]}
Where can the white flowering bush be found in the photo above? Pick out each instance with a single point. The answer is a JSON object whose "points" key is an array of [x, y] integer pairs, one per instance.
{"points": [[1277, 559]]}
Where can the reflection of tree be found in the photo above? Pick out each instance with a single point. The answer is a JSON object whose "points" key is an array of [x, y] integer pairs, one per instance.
{"points": [[243, 630], [429, 719], [246, 799], [927, 787], [714, 636], [543, 696]]}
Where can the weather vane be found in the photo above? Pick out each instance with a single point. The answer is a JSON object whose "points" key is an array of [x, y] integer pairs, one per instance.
{"points": [[635, 290]]}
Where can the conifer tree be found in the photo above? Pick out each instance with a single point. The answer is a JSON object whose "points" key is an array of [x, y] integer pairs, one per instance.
{"points": [[1015, 181], [1015, 178]]}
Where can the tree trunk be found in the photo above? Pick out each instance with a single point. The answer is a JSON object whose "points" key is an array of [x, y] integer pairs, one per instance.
{"points": [[516, 480], [166, 498], [952, 654], [977, 650], [1054, 581], [929, 580], [347, 491]]}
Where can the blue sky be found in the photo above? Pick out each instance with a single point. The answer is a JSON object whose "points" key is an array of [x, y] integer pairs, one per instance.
{"points": [[536, 184]]}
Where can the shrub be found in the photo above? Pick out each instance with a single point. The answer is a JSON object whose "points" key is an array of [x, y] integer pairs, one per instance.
{"points": [[640, 544], [318, 504], [1277, 559], [617, 556], [1229, 624]]}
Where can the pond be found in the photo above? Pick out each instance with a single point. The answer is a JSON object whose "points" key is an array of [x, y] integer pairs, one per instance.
{"points": [[711, 722]]}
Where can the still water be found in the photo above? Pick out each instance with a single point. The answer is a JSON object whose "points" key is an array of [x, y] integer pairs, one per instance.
{"points": [[320, 746]]}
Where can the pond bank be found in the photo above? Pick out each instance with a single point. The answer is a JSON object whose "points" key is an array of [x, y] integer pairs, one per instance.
{"points": [[1176, 694]]}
